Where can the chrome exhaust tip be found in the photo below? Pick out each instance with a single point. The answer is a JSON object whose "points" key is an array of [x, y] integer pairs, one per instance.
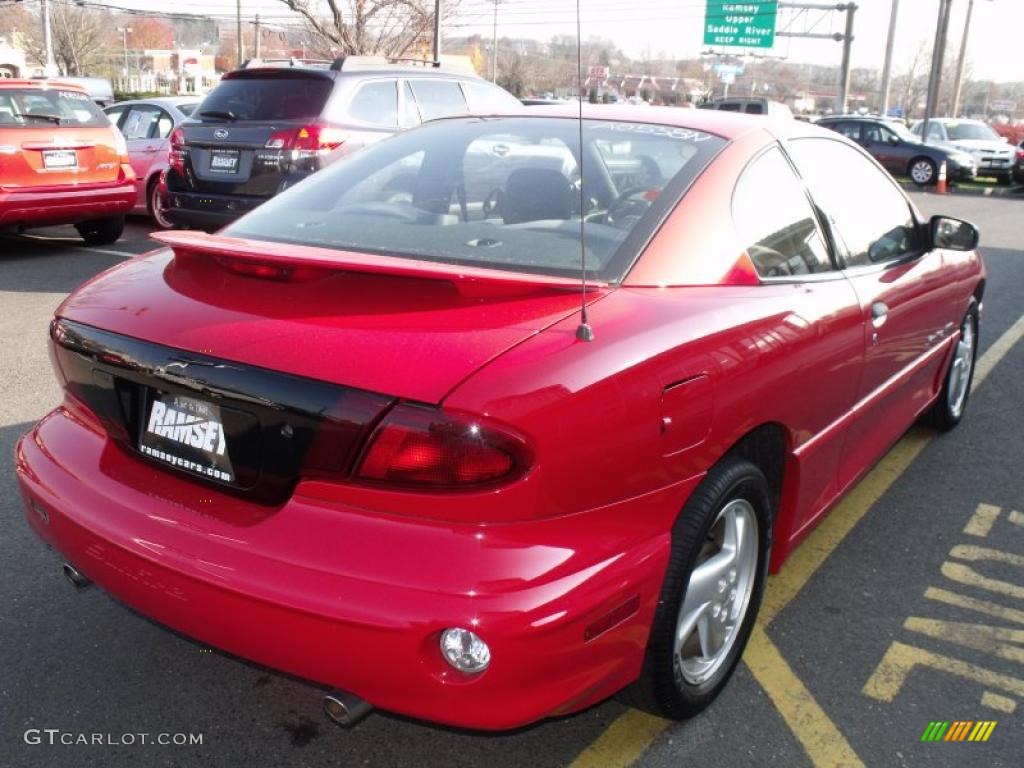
{"points": [[75, 577], [346, 709]]}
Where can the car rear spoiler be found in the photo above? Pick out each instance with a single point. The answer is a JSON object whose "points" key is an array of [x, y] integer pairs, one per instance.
{"points": [[308, 260]]}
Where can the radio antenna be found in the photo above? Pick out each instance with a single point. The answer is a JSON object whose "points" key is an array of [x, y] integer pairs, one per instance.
{"points": [[584, 332]]}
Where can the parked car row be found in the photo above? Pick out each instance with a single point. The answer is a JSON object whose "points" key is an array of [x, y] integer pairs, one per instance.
{"points": [[203, 163]]}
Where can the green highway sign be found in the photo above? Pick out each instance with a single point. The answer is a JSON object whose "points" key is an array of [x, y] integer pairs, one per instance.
{"points": [[740, 25]]}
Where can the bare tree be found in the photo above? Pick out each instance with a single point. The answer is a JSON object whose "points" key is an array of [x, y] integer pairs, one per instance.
{"points": [[914, 82], [387, 27], [82, 38]]}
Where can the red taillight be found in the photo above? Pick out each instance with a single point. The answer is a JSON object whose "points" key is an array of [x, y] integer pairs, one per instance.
{"points": [[309, 138], [1020, 153], [176, 151], [426, 448]]}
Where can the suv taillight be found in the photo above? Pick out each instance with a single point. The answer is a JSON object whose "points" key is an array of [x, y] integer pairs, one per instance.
{"points": [[176, 151], [424, 448], [1020, 153], [307, 142]]}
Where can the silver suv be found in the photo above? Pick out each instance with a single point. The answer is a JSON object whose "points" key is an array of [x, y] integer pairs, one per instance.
{"points": [[272, 123]]}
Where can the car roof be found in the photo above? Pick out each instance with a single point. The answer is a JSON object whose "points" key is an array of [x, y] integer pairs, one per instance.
{"points": [[728, 125], [160, 101], [384, 70], [41, 84]]}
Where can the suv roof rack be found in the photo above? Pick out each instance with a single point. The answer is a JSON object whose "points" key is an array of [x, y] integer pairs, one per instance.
{"points": [[289, 62], [451, 63]]}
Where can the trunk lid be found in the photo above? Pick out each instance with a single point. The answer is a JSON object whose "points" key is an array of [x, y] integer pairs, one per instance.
{"points": [[355, 324]]}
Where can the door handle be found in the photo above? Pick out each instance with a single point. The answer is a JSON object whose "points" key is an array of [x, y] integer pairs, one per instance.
{"points": [[151, 150], [879, 313]]}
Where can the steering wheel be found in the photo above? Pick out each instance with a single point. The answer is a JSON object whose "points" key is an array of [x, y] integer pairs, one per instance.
{"points": [[626, 209]]}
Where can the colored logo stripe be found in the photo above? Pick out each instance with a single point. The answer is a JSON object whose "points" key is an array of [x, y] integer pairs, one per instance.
{"points": [[958, 730]]}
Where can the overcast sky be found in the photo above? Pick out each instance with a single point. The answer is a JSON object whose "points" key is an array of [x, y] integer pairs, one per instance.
{"points": [[676, 27]]}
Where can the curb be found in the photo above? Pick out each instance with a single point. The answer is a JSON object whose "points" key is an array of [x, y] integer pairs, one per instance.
{"points": [[955, 189]]}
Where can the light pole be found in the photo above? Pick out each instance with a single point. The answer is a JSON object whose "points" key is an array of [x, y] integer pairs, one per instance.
{"points": [[50, 63], [124, 42], [437, 33], [494, 46], [935, 77], [887, 69], [961, 62]]}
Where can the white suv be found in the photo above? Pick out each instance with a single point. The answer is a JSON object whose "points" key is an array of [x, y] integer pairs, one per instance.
{"points": [[993, 153]]}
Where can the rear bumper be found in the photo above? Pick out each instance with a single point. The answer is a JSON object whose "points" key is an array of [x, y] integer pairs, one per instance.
{"points": [[64, 205], [204, 211], [354, 600]]}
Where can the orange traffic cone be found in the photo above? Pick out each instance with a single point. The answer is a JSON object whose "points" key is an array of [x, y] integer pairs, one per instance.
{"points": [[941, 187]]}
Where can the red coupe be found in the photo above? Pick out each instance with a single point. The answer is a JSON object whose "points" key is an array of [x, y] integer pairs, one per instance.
{"points": [[366, 436]]}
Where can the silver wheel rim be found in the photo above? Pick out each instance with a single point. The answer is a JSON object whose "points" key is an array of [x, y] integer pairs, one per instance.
{"points": [[922, 172], [157, 207], [717, 595], [960, 370]]}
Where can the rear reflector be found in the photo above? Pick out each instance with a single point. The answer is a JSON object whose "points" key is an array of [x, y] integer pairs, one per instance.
{"points": [[426, 448]]}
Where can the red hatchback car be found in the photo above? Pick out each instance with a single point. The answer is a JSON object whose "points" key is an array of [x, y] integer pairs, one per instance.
{"points": [[61, 162], [363, 435]]}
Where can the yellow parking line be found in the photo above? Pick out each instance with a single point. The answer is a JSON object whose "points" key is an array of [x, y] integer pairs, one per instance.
{"points": [[623, 741], [821, 739], [631, 734]]}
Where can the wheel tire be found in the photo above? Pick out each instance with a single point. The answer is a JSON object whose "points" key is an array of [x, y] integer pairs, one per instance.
{"points": [[956, 387], [922, 171], [101, 231], [663, 688], [155, 205]]}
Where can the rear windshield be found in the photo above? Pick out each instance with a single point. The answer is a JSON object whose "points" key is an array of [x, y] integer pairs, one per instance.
{"points": [[970, 131], [279, 97], [498, 193], [39, 107]]}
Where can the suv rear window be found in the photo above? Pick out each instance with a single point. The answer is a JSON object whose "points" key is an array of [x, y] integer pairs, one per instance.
{"points": [[499, 193], [286, 96], [38, 107]]}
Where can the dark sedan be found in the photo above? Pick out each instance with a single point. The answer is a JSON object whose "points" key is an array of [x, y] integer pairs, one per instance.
{"points": [[900, 152], [1018, 164]]}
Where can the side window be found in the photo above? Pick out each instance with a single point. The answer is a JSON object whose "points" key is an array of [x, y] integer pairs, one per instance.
{"points": [[376, 102], [849, 130], [439, 98], [754, 108], [164, 125], [775, 220], [729, 106], [143, 122], [867, 210], [114, 114], [410, 114], [874, 133]]}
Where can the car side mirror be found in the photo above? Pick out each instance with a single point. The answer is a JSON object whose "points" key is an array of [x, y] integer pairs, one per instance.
{"points": [[894, 140], [953, 234]]}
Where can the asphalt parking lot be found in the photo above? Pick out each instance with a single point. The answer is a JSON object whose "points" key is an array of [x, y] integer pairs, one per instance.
{"points": [[904, 608]]}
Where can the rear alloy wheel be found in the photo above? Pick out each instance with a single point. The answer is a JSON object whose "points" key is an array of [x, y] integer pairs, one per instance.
{"points": [[101, 231], [956, 389], [922, 171], [155, 204], [711, 594]]}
